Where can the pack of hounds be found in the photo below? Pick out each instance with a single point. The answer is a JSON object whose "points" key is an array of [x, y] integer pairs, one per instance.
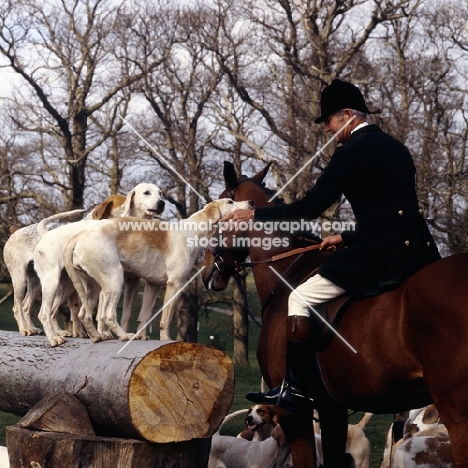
{"points": [[88, 263], [419, 440]]}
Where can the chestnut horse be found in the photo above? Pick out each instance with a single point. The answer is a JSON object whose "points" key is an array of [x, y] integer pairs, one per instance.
{"points": [[411, 342]]}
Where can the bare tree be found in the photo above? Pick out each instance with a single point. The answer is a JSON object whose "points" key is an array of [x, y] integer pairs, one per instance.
{"points": [[179, 93], [425, 100], [445, 118], [278, 54], [66, 54]]}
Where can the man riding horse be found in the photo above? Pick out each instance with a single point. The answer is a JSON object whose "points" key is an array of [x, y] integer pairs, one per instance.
{"points": [[376, 174]]}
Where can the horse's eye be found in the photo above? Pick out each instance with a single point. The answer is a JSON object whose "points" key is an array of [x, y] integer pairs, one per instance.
{"points": [[230, 202], [147, 192]]}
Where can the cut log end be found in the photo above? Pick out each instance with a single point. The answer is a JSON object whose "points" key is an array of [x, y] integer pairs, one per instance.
{"points": [[179, 390]]}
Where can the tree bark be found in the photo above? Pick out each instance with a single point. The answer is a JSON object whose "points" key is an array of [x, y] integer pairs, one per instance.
{"points": [[156, 391]]}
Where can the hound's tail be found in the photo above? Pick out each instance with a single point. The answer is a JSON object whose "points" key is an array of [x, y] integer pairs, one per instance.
{"points": [[365, 419], [42, 225], [231, 416]]}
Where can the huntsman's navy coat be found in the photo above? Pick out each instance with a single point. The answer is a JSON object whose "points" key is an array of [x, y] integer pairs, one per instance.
{"points": [[376, 173]]}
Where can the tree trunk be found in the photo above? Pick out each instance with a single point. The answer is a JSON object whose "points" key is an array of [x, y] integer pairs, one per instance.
{"points": [[59, 450], [241, 327], [153, 390], [187, 316]]}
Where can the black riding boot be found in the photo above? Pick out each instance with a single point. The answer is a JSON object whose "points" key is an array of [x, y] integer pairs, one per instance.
{"points": [[293, 393]]}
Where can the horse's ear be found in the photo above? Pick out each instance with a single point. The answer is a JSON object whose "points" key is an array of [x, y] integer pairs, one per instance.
{"points": [[259, 176], [230, 176]]}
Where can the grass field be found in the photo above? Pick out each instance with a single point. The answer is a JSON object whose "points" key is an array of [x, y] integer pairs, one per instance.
{"points": [[246, 377]]}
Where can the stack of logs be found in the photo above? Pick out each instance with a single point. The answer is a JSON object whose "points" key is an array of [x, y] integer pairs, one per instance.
{"points": [[150, 404]]}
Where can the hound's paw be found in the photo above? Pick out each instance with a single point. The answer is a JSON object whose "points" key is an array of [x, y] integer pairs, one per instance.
{"points": [[97, 338], [107, 335], [31, 331], [127, 337], [34, 331], [79, 331], [64, 333], [57, 340], [80, 334]]}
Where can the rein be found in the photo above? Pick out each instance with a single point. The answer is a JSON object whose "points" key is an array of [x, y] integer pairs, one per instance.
{"points": [[278, 257], [275, 258], [238, 266]]}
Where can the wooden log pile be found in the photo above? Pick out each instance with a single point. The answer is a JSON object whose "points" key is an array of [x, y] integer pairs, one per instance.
{"points": [[149, 396]]}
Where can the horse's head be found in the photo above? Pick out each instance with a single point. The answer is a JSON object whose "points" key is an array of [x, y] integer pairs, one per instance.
{"points": [[220, 261]]}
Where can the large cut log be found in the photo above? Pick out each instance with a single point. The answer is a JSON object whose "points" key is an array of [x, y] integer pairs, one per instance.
{"points": [[153, 390], [58, 450]]}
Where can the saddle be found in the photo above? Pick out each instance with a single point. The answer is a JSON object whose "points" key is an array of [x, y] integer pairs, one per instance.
{"points": [[321, 336], [331, 312]]}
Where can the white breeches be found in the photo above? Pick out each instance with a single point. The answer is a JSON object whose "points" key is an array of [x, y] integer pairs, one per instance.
{"points": [[316, 290]]}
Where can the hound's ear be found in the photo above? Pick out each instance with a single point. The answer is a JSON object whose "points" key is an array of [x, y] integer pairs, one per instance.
{"points": [[103, 210], [230, 177], [430, 415], [278, 434], [259, 176], [213, 211], [128, 203]]}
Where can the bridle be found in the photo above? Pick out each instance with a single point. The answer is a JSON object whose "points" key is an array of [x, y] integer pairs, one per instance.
{"points": [[220, 263]]}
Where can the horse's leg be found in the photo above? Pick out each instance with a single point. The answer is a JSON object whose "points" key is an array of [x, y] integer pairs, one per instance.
{"points": [[300, 434], [303, 451], [334, 430], [459, 441], [452, 407]]}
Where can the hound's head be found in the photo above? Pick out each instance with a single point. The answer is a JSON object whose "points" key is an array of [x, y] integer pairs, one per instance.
{"points": [[259, 416], [218, 208], [144, 201]]}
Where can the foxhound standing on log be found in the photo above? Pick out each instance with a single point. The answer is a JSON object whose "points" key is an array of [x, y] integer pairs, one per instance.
{"points": [[99, 255]]}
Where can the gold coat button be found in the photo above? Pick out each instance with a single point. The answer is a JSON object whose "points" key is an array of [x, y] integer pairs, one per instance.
{"points": [[420, 212], [400, 213], [428, 244], [406, 243]]}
